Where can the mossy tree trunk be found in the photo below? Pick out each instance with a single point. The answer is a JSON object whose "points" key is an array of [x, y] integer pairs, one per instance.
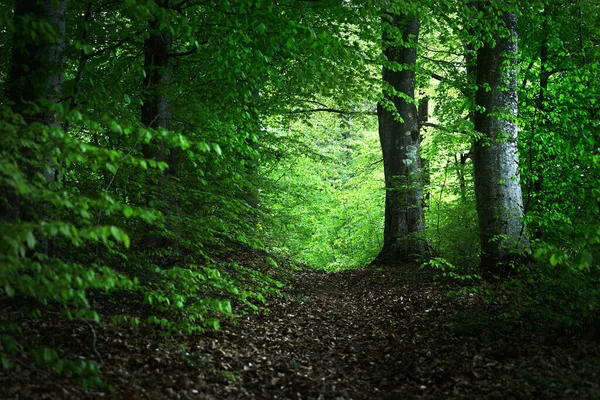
{"points": [[400, 144], [496, 158]]}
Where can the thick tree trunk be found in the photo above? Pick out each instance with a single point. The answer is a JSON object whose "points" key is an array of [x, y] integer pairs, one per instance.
{"points": [[400, 144], [36, 70], [34, 83], [496, 158]]}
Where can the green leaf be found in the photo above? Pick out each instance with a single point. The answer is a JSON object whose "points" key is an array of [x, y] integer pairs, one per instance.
{"points": [[127, 211], [184, 143], [203, 146], [217, 149], [49, 355], [10, 292], [6, 363], [30, 238], [115, 127], [9, 343], [59, 366], [120, 236], [216, 325]]}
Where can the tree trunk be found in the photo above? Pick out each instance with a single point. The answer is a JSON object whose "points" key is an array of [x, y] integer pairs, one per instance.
{"points": [[400, 144], [423, 117], [538, 184], [496, 158], [460, 173], [34, 84], [36, 70], [156, 112]]}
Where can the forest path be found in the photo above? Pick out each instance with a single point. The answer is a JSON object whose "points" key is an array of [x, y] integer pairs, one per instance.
{"points": [[372, 333], [388, 333]]}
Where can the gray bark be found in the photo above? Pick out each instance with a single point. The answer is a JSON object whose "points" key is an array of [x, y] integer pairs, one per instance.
{"points": [[496, 159], [400, 144]]}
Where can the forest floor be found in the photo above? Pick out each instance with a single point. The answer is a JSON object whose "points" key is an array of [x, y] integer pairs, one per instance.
{"points": [[373, 333]]}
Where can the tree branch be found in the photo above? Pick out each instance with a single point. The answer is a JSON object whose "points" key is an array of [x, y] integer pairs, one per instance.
{"points": [[109, 48], [332, 110], [442, 128], [465, 91], [437, 77], [188, 52], [183, 53]]}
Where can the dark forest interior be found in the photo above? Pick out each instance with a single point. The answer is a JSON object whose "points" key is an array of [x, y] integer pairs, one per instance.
{"points": [[305, 199]]}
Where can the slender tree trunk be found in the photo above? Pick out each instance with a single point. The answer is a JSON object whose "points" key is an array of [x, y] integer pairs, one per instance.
{"points": [[400, 144], [156, 114], [496, 158], [460, 173], [544, 72], [34, 85], [423, 117], [252, 197], [538, 185], [156, 111]]}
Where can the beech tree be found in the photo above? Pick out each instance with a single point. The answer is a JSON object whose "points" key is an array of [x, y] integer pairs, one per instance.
{"points": [[156, 138], [496, 157], [37, 61], [34, 89], [400, 142]]}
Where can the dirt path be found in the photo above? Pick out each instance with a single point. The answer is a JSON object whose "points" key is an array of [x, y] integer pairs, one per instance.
{"points": [[378, 334], [367, 334]]}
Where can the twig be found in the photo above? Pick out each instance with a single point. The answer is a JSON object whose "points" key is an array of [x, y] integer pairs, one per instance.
{"points": [[94, 341], [118, 166]]}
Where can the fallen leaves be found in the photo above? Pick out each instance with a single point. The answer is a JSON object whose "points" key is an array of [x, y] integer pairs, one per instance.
{"points": [[373, 333]]}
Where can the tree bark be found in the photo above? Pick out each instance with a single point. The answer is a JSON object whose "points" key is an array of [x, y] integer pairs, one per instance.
{"points": [[156, 111], [156, 114], [496, 159], [35, 84], [400, 144], [36, 70]]}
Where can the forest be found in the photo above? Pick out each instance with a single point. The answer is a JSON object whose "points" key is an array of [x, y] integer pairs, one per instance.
{"points": [[299, 199]]}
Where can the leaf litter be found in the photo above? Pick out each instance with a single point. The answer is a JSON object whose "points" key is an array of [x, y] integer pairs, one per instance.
{"points": [[381, 332]]}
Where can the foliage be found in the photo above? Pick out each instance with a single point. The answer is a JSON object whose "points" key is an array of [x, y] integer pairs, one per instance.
{"points": [[562, 296], [558, 122], [445, 269], [272, 144], [143, 214], [325, 203]]}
